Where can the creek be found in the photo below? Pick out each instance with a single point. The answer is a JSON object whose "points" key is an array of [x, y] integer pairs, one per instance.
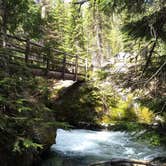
{"points": [[82, 147]]}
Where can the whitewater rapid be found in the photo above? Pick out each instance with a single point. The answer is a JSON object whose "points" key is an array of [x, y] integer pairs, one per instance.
{"points": [[102, 145]]}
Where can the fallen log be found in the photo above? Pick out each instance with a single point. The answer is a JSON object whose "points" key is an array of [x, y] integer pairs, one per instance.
{"points": [[123, 162]]}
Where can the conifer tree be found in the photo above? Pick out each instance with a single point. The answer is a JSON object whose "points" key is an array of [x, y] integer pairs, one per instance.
{"points": [[75, 36]]}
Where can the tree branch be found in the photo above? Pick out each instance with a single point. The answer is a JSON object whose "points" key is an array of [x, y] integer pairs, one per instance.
{"points": [[81, 2], [150, 56], [155, 73]]}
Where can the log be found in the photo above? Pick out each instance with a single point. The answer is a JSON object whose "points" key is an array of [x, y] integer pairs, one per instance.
{"points": [[122, 162]]}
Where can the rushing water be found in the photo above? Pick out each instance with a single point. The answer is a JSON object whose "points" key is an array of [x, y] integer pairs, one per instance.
{"points": [[81, 147]]}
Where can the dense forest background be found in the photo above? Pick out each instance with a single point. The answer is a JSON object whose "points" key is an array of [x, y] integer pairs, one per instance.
{"points": [[125, 44]]}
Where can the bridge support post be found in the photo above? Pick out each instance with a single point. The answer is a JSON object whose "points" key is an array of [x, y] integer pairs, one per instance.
{"points": [[76, 68], [48, 60], [64, 66], [86, 67], [27, 51]]}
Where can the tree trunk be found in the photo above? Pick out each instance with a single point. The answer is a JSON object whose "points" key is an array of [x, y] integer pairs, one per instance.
{"points": [[97, 58], [150, 56], [4, 23]]}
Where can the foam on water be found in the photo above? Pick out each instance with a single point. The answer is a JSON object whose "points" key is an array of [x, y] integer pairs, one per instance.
{"points": [[103, 145]]}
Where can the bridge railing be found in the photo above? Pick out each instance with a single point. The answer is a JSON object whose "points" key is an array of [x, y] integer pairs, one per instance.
{"points": [[37, 55]]}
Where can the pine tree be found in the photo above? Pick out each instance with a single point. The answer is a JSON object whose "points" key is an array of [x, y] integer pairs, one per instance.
{"points": [[75, 38]]}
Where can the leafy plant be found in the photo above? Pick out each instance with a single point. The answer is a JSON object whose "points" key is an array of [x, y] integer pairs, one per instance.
{"points": [[145, 115], [22, 144]]}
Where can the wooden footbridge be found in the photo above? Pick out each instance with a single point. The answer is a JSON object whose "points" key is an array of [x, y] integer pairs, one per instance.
{"points": [[43, 60]]}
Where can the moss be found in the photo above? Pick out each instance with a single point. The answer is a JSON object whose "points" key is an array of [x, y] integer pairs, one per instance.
{"points": [[128, 126], [153, 138], [80, 102]]}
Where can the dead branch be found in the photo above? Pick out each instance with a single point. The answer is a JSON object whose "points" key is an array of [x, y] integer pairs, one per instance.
{"points": [[155, 73], [150, 56], [80, 2], [123, 161]]}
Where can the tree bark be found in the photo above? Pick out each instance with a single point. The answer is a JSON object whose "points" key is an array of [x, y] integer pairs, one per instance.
{"points": [[124, 162], [4, 23], [97, 32], [150, 56]]}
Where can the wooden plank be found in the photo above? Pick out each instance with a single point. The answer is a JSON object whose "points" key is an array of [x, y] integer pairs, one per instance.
{"points": [[15, 46], [15, 37], [16, 50], [54, 74]]}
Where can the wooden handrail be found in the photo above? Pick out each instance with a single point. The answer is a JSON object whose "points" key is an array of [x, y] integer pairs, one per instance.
{"points": [[39, 45], [49, 58]]}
